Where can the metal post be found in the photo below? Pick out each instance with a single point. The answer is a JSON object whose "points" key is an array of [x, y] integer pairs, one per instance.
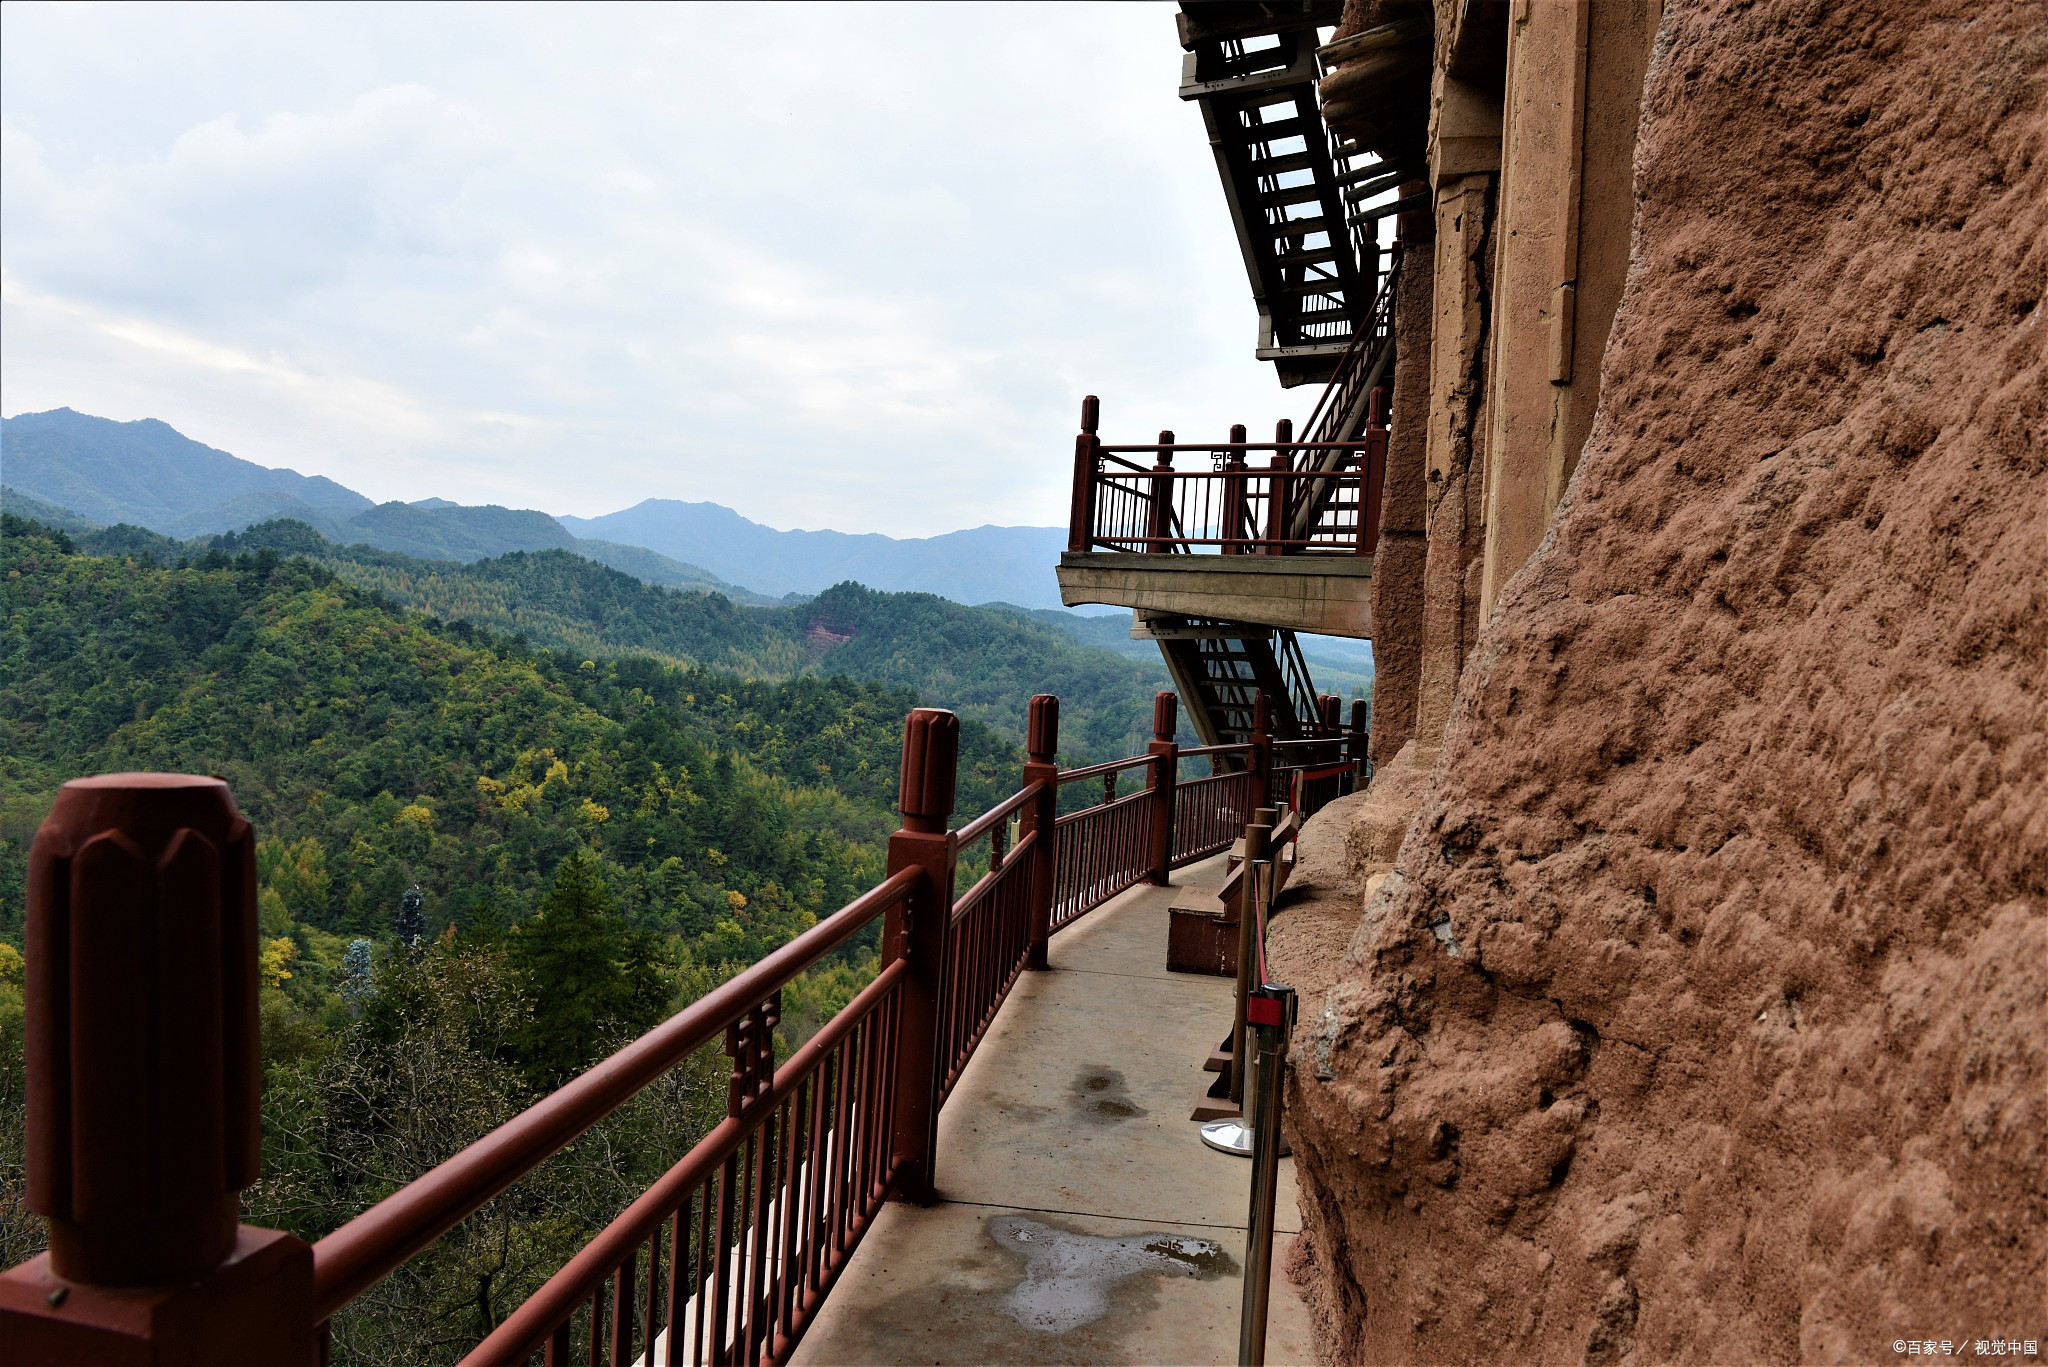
{"points": [[1332, 710], [917, 932], [1163, 780], [1261, 760], [1276, 506], [1081, 516], [1272, 1017], [1257, 838], [142, 1089], [1041, 744], [1280, 498]]}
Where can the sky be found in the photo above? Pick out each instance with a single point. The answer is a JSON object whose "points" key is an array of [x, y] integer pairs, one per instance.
{"points": [[842, 266]]}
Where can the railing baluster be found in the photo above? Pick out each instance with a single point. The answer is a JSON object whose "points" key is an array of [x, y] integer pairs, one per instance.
{"points": [[623, 1297], [653, 1292], [720, 1291], [678, 1254]]}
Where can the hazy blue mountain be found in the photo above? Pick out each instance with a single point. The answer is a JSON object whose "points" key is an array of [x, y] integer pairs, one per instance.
{"points": [[263, 505], [980, 565], [143, 472], [459, 532], [148, 474]]}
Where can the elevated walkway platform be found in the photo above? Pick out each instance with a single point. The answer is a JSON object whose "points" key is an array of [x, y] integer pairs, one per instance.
{"points": [[1330, 595], [1081, 1219]]}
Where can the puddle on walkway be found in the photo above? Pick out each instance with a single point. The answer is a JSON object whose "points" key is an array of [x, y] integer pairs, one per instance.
{"points": [[1101, 1095], [1068, 1277]]}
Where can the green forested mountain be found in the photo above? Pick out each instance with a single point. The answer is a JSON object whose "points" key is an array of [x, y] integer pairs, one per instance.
{"points": [[659, 569], [598, 840], [416, 751], [983, 662]]}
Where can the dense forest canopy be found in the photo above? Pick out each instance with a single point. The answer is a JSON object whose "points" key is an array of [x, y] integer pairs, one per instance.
{"points": [[984, 662]]}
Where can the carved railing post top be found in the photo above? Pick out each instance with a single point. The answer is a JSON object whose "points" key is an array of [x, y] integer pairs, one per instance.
{"points": [[931, 751], [148, 808], [1165, 715], [1042, 733]]}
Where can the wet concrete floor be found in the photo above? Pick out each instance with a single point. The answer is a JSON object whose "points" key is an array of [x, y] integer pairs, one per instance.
{"points": [[1081, 1218]]}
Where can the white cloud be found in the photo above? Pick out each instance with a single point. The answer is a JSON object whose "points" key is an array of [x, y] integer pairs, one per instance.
{"points": [[832, 265]]}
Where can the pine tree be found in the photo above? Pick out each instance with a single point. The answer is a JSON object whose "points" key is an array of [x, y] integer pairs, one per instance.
{"points": [[585, 973]]}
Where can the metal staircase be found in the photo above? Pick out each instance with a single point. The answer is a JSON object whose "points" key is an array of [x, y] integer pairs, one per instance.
{"points": [[1220, 668], [1308, 227], [1299, 203]]}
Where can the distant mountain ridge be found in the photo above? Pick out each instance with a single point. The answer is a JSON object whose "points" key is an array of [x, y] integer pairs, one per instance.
{"points": [[979, 565], [148, 474]]}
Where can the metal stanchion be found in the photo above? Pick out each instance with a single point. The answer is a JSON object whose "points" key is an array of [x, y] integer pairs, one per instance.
{"points": [[1269, 1017], [1235, 1136]]}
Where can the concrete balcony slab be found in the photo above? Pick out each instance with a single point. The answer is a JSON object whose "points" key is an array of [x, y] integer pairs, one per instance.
{"points": [[1330, 595], [1081, 1218]]}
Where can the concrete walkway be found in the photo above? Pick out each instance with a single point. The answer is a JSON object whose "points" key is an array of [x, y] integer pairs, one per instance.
{"points": [[1082, 1219]]}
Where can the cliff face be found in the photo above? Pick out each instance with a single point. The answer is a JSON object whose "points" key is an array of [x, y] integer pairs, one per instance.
{"points": [[1702, 1016]]}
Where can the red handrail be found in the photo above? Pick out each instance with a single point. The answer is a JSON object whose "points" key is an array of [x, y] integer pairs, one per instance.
{"points": [[374, 1244], [527, 1327]]}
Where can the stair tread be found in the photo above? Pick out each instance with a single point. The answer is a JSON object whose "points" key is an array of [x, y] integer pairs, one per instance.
{"points": [[1293, 227], [1285, 162]]}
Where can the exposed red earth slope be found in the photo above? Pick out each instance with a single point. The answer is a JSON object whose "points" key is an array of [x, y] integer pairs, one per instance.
{"points": [[1702, 1017]]}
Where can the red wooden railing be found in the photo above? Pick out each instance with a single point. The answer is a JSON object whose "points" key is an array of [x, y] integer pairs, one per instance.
{"points": [[989, 942], [726, 1258], [1104, 849], [1307, 774], [1211, 812]]}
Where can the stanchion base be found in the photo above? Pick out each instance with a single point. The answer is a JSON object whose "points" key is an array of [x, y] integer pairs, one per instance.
{"points": [[1228, 1136]]}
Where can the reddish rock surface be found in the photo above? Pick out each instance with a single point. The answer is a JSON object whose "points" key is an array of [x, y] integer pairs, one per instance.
{"points": [[1702, 1016]]}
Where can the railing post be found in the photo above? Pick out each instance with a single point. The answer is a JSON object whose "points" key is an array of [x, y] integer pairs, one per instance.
{"points": [[1081, 516], [1160, 525], [1279, 498], [1373, 492], [1041, 766], [1163, 779], [1261, 758], [1361, 740], [917, 932], [1236, 495], [143, 1077]]}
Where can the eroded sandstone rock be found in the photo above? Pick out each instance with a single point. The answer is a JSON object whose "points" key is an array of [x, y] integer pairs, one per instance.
{"points": [[1701, 1017]]}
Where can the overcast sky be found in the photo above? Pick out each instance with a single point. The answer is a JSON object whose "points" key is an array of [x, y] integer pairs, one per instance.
{"points": [[843, 266]]}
